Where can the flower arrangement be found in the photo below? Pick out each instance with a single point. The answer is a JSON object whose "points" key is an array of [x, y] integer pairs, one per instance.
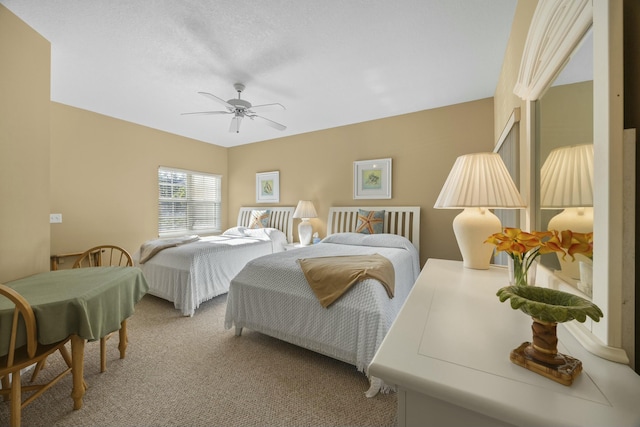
{"points": [[524, 247]]}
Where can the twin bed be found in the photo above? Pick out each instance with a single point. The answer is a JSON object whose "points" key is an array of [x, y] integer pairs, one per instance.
{"points": [[189, 271], [272, 294]]}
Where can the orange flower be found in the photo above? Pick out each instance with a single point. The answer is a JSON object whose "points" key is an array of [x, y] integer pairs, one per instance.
{"points": [[553, 244], [581, 243], [524, 247], [518, 243]]}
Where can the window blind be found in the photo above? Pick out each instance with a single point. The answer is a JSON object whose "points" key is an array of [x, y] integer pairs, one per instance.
{"points": [[188, 202]]}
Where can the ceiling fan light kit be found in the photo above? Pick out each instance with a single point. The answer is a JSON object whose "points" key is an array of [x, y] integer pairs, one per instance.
{"points": [[241, 108]]}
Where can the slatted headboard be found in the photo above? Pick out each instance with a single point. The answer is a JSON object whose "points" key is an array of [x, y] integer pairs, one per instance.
{"points": [[281, 218], [401, 220]]}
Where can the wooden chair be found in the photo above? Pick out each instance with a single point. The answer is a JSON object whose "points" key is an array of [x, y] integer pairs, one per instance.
{"points": [[24, 356], [104, 256]]}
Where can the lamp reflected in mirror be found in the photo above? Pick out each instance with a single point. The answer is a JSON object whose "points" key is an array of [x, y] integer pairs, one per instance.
{"points": [[566, 182], [564, 117]]}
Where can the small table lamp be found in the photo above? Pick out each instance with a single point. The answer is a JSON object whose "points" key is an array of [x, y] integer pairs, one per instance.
{"points": [[566, 182], [305, 210], [477, 182]]}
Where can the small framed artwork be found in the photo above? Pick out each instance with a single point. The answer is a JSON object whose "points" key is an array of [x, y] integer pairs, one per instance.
{"points": [[268, 187], [372, 179]]}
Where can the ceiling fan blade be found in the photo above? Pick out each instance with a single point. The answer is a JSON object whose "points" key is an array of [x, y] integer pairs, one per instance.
{"points": [[269, 107], [235, 124], [220, 100], [207, 112], [271, 123]]}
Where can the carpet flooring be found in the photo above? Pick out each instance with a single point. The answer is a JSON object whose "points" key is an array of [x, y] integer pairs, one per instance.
{"points": [[182, 371]]}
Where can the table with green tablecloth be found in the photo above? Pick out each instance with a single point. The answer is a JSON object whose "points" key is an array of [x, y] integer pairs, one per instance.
{"points": [[84, 303]]}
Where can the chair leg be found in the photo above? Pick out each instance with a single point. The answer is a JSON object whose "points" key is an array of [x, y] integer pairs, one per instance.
{"points": [[16, 399]]}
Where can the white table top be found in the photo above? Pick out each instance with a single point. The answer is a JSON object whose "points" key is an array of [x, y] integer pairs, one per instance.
{"points": [[452, 341]]}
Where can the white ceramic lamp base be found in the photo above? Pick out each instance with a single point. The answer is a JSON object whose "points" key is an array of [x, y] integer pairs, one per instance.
{"points": [[472, 227], [579, 220], [304, 232]]}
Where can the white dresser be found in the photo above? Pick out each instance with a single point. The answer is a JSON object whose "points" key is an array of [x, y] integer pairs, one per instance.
{"points": [[448, 353]]}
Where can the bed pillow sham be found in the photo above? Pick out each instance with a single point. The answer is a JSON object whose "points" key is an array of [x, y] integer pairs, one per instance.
{"points": [[260, 219], [370, 222]]}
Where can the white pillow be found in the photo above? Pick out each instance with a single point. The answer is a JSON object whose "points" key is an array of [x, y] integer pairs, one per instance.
{"points": [[235, 231], [277, 237]]}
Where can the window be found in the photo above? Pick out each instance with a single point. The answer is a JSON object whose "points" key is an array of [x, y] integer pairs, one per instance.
{"points": [[188, 202]]}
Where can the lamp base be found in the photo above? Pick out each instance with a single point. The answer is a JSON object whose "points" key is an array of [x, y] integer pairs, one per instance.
{"points": [[472, 227], [304, 232]]}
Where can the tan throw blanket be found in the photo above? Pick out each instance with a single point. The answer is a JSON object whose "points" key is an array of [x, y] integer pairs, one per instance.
{"points": [[330, 277], [151, 247]]}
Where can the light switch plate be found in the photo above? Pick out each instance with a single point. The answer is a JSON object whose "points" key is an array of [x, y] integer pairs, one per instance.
{"points": [[55, 218]]}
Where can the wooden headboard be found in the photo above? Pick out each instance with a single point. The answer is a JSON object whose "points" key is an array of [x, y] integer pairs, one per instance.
{"points": [[281, 218], [401, 220]]}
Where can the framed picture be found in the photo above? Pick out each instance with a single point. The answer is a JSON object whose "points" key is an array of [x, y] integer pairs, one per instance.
{"points": [[268, 187], [372, 179]]}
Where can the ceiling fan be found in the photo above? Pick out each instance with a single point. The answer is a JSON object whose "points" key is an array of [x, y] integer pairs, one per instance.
{"points": [[241, 109]]}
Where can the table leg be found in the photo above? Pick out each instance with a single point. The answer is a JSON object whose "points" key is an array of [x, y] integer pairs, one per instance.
{"points": [[77, 360], [122, 346]]}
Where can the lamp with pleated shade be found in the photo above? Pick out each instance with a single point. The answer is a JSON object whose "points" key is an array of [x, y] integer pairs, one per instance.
{"points": [[566, 182], [305, 210], [476, 183]]}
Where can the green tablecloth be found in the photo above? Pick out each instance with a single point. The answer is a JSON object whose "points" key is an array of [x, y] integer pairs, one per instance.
{"points": [[88, 302]]}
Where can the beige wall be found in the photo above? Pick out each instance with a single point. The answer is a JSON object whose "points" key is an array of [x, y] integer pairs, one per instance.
{"points": [[104, 178], [318, 166], [104, 182], [24, 148], [103, 170], [566, 117]]}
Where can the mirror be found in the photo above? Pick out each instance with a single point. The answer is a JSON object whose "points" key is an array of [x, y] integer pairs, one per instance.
{"points": [[556, 29], [564, 124]]}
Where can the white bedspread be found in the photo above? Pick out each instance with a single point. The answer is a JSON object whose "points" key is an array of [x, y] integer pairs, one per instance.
{"points": [[272, 296], [193, 273]]}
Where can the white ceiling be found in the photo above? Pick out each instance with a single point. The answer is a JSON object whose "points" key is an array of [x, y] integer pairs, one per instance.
{"points": [[329, 62]]}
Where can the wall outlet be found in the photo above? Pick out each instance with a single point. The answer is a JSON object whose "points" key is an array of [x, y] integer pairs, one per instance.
{"points": [[55, 218]]}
